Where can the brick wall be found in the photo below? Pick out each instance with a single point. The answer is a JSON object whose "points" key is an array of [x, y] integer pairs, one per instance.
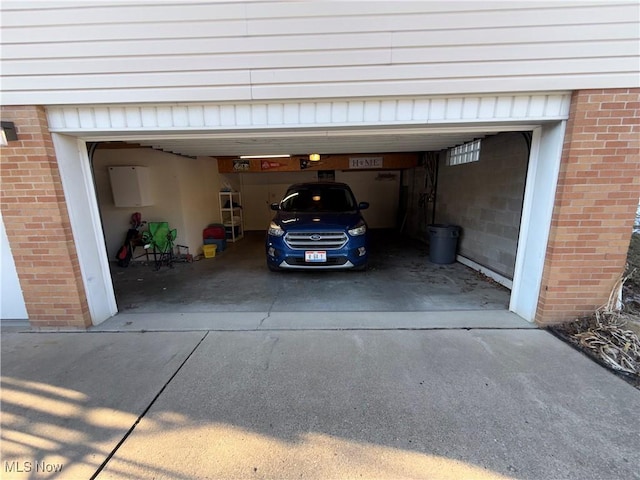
{"points": [[37, 224], [596, 200]]}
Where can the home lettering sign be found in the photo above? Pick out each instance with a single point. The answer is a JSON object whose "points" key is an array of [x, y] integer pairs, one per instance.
{"points": [[365, 162]]}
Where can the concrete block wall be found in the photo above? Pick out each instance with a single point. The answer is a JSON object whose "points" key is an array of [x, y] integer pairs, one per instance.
{"points": [[37, 225], [485, 199], [596, 201]]}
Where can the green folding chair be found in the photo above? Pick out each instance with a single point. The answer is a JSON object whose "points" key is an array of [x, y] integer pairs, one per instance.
{"points": [[160, 238]]}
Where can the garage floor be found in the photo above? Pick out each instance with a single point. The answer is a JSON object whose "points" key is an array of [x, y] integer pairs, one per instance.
{"points": [[400, 279]]}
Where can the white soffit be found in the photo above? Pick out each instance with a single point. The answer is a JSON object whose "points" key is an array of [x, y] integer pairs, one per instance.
{"points": [[330, 126]]}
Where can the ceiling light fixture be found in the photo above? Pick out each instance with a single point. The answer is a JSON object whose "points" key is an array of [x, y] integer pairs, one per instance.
{"points": [[264, 156], [314, 157]]}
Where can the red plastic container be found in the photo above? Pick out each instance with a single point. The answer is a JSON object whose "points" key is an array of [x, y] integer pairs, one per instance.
{"points": [[216, 232]]}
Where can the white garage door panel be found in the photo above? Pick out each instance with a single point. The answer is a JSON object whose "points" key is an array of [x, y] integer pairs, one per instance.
{"points": [[380, 189]]}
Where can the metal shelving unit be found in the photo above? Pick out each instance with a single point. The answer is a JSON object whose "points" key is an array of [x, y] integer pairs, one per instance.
{"points": [[231, 215]]}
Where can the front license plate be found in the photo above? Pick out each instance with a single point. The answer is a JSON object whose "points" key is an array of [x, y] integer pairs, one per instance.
{"points": [[315, 256]]}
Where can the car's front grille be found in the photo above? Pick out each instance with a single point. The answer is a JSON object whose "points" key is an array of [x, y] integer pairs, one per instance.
{"points": [[315, 240]]}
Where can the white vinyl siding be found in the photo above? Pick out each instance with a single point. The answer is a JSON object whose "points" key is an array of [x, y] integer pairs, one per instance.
{"points": [[111, 52]]}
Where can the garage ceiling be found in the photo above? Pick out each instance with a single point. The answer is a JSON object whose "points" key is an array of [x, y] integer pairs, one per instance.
{"points": [[323, 142]]}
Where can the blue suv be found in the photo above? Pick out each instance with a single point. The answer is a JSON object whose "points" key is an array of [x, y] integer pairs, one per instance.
{"points": [[318, 226]]}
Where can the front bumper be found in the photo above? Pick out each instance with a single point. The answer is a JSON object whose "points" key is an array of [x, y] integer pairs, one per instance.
{"points": [[315, 266], [354, 253]]}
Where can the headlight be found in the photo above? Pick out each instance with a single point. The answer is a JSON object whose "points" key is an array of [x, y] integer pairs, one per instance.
{"points": [[275, 230], [359, 229]]}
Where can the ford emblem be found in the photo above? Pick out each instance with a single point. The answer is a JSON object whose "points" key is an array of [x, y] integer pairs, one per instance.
{"points": [[315, 237]]}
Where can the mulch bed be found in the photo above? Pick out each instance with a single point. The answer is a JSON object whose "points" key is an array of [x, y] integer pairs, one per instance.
{"points": [[605, 339]]}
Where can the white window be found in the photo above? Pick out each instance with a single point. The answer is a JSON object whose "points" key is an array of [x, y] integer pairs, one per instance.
{"points": [[465, 153]]}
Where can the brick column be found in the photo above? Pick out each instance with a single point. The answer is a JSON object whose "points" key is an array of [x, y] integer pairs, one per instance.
{"points": [[37, 224], [595, 205]]}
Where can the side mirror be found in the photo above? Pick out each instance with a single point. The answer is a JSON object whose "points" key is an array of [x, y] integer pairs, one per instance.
{"points": [[275, 206], [363, 205]]}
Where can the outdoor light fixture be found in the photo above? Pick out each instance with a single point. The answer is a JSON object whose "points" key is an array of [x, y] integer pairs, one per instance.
{"points": [[314, 157], [8, 133]]}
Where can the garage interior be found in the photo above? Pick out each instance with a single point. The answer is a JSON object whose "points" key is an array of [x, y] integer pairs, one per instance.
{"points": [[408, 190]]}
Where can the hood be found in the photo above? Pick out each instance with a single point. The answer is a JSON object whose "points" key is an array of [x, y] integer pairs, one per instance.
{"points": [[317, 221]]}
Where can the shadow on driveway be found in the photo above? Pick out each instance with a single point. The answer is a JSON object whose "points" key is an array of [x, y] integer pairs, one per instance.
{"points": [[316, 404]]}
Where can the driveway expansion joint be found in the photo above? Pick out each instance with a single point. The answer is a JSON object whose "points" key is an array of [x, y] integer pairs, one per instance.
{"points": [[146, 410]]}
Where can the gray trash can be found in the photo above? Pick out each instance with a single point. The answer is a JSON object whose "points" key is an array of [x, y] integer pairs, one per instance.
{"points": [[443, 242]]}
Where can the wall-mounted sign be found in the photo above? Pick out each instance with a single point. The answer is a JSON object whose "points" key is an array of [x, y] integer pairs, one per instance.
{"points": [[270, 165], [241, 165], [365, 162]]}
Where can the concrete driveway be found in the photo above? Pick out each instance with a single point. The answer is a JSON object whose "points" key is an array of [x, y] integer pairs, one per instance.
{"points": [[483, 402]]}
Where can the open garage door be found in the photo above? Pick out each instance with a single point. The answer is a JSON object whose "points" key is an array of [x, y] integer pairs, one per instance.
{"points": [[484, 198], [197, 167]]}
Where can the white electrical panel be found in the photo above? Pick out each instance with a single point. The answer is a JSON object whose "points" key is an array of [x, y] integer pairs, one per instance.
{"points": [[131, 186]]}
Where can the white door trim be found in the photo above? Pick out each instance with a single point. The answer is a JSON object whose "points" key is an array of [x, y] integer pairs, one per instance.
{"points": [[82, 205], [539, 197], [131, 119], [546, 113], [535, 223]]}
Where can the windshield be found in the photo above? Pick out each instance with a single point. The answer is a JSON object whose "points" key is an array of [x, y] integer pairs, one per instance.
{"points": [[319, 199]]}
